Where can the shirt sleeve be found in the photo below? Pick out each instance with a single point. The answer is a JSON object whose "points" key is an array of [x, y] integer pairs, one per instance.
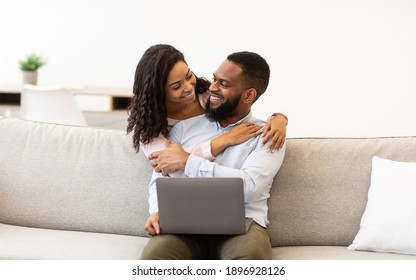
{"points": [[152, 194], [257, 171], [202, 150], [157, 144], [277, 114]]}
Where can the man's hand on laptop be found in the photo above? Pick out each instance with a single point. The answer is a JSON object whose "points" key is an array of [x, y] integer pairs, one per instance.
{"points": [[169, 160], [152, 224]]}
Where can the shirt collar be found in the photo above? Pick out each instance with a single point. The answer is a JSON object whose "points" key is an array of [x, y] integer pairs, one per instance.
{"points": [[248, 118]]}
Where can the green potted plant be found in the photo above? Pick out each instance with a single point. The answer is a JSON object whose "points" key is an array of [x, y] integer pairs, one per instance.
{"points": [[30, 66]]}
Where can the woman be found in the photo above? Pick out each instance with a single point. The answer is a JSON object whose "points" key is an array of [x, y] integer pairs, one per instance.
{"points": [[166, 91]]}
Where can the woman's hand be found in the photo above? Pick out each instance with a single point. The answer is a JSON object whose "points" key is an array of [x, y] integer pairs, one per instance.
{"points": [[275, 131], [239, 134]]}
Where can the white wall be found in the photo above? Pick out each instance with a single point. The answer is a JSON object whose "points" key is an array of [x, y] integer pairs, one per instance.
{"points": [[339, 68]]}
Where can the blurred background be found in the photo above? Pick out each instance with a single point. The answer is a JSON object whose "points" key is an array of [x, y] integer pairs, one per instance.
{"points": [[339, 68]]}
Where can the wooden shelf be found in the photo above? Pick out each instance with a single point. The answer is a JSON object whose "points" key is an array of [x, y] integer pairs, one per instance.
{"points": [[96, 99]]}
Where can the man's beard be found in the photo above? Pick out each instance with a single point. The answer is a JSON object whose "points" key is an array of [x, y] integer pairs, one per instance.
{"points": [[226, 110]]}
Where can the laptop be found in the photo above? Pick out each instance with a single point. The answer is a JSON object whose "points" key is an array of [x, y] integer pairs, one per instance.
{"points": [[201, 206]]}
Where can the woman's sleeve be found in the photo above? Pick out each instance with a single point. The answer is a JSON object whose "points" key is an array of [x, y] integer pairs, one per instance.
{"points": [[157, 144], [202, 150]]}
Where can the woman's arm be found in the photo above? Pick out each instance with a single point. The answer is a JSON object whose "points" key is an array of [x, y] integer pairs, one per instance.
{"points": [[274, 130], [209, 149], [239, 134]]}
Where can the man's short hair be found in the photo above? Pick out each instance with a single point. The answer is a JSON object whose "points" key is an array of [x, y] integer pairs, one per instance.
{"points": [[256, 71]]}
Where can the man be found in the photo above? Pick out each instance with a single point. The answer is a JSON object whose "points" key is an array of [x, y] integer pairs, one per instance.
{"points": [[238, 83]]}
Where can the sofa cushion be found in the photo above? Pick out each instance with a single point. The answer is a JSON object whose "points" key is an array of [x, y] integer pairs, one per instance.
{"points": [[71, 178], [26, 243], [388, 223], [331, 253], [320, 192]]}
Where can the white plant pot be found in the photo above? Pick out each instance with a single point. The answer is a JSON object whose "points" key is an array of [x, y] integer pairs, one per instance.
{"points": [[30, 77]]}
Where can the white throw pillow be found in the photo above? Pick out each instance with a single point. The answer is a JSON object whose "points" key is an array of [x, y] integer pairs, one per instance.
{"points": [[389, 221]]}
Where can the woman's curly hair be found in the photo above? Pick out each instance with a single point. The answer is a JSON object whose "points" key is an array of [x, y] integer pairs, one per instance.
{"points": [[147, 111]]}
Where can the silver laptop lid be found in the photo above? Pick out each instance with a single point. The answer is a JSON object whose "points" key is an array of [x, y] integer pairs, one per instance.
{"points": [[201, 205]]}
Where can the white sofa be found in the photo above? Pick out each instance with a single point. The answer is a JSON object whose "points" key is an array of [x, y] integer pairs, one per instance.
{"points": [[70, 192]]}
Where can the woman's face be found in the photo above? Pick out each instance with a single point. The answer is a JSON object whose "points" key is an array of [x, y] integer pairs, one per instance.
{"points": [[180, 85]]}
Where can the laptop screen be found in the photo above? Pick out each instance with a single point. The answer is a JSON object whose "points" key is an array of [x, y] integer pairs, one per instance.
{"points": [[201, 205]]}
